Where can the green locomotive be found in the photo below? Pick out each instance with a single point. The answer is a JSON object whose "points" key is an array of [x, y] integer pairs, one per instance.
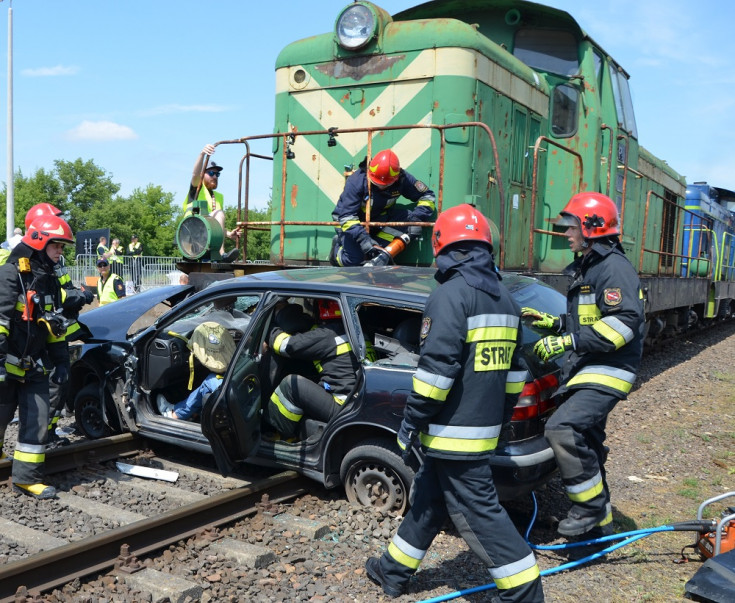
{"points": [[505, 104]]}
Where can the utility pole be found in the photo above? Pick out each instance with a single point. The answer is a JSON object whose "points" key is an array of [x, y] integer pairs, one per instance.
{"points": [[10, 200]]}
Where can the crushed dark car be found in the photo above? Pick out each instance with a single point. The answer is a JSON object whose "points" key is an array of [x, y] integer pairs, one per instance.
{"points": [[119, 372]]}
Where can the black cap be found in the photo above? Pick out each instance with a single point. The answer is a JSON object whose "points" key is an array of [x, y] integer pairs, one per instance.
{"points": [[213, 166], [103, 262], [134, 236]]}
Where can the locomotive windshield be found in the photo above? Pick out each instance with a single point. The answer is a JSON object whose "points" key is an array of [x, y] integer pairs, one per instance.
{"points": [[549, 50]]}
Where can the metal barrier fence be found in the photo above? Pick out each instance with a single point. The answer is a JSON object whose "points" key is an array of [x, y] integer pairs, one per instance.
{"points": [[139, 273]]}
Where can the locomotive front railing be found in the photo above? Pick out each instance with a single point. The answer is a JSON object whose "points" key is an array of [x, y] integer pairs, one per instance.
{"points": [[287, 139]]}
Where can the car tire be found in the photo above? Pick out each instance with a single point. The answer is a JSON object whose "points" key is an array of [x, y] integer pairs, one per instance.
{"points": [[88, 412], [375, 476]]}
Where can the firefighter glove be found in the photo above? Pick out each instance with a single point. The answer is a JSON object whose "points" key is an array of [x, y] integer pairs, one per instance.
{"points": [[414, 232], [366, 244], [542, 320], [407, 435], [88, 296], [61, 374], [552, 346]]}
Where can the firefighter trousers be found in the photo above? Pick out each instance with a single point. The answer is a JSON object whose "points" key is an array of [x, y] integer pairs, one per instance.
{"points": [[31, 398], [576, 433], [463, 491], [296, 397]]}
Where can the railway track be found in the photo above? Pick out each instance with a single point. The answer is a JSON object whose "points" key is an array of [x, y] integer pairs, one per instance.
{"points": [[101, 499]]}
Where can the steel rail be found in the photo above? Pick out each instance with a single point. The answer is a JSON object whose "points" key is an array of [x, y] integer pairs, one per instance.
{"points": [[51, 569], [73, 456]]}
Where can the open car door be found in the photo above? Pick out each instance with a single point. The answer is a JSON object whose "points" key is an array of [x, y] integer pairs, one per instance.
{"points": [[231, 416]]}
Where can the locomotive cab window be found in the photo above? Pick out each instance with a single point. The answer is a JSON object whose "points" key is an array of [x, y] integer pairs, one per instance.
{"points": [[548, 50], [564, 111], [623, 101]]}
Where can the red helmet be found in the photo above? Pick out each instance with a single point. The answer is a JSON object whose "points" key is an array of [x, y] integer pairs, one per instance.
{"points": [[384, 168], [460, 223], [328, 309], [594, 213], [39, 210], [45, 230]]}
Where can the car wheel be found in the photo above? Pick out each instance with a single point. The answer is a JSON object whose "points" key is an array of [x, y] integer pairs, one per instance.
{"points": [[88, 412], [375, 476]]}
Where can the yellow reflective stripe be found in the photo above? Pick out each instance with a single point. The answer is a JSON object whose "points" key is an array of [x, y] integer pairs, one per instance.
{"points": [[349, 224], [4, 330], [404, 553], [514, 387], [458, 444], [291, 416], [14, 370], [617, 379], [608, 519], [29, 457], [64, 278], [585, 491], [426, 203], [343, 345], [613, 329], [491, 334], [385, 236], [63, 295], [73, 328], [430, 385], [54, 339], [518, 579], [587, 309], [280, 342], [20, 306]]}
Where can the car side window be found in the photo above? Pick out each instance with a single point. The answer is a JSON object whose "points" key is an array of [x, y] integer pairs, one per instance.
{"points": [[393, 333]]}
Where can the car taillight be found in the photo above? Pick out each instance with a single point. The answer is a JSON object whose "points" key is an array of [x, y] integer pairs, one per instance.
{"points": [[536, 398]]}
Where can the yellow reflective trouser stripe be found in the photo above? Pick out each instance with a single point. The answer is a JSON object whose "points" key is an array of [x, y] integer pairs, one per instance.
{"points": [[617, 379], [518, 579], [585, 491], [291, 416], [405, 554], [29, 457], [14, 370], [608, 519], [281, 342], [491, 334]]}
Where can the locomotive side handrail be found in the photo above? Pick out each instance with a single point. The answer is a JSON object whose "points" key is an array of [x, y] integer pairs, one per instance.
{"points": [[288, 138], [534, 190]]}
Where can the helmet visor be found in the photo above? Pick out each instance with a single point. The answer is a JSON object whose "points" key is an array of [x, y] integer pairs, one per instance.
{"points": [[566, 220]]}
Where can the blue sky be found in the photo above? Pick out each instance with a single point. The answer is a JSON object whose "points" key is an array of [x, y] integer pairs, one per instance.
{"points": [[139, 87]]}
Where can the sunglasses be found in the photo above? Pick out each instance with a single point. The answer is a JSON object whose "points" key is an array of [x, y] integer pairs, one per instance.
{"points": [[213, 174]]}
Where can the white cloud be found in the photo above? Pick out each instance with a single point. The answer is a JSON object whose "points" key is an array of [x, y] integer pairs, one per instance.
{"points": [[169, 109], [50, 71], [101, 131]]}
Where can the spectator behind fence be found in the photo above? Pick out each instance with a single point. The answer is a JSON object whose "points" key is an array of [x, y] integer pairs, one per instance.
{"points": [[135, 251], [110, 286]]}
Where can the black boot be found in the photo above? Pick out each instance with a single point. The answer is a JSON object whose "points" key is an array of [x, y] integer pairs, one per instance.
{"points": [[580, 520], [375, 573]]}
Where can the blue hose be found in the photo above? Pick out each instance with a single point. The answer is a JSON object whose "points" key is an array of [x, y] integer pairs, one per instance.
{"points": [[626, 537]]}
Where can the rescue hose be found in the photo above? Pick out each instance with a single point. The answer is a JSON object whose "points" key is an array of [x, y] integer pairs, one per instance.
{"points": [[625, 537]]}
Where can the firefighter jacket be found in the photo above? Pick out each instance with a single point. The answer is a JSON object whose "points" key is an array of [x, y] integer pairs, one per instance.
{"points": [[352, 203], [470, 372], [30, 314], [72, 301], [605, 315], [329, 349]]}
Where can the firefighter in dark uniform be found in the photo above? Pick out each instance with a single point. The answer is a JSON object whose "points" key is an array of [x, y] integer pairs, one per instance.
{"points": [[329, 349], [353, 245], [602, 337], [468, 379], [73, 300], [32, 345]]}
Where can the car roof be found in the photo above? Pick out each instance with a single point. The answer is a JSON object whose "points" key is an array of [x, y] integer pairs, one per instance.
{"points": [[397, 282]]}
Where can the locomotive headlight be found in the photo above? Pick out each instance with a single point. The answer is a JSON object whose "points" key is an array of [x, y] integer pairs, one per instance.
{"points": [[356, 26]]}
